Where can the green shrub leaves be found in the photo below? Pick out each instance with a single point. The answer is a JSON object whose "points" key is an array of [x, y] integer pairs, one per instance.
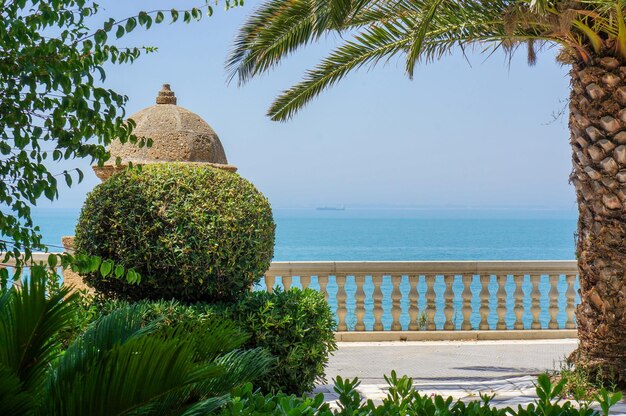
{"points": [[296, 327], [192, 233]]}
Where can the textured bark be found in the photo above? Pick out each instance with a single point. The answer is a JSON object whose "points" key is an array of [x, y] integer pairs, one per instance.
{"points": [[598, 139]]}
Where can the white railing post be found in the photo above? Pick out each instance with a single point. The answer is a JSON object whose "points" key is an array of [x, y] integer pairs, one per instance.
{"points": [[286, 279], [378, 302], [396, 297], [305, 281], [519, 301], [570, 296], [448, 297], [467, 302], [484, 301], [430, 302], [359, 309], [535, 295], [322, 280], [270, 281], [341, 302], [553, 309], [501, 295], [414, 312]]}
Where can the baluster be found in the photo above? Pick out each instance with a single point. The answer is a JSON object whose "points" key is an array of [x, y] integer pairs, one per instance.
{"points": [[430, 302], [359, 296], [341, 302], [378, 303], [519, 301], [396, 296], [323, 281], [448, 309], [305, 281], [287, 282], [484, 302], [270, 281], [570, 296], [467, 302], [553, 309], [535, 297], [413, 307], [501, 295]]}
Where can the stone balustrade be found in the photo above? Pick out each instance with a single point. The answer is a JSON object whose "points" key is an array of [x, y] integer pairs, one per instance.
{"points": [[450, 296], [387, 300]]}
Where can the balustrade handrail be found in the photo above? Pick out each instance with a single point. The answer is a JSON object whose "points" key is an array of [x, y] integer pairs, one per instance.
{"points": [[394, 267], [424, 267], [37, 257]]}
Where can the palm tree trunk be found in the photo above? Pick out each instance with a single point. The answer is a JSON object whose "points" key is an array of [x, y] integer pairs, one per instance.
{"points": [[598, 139]]}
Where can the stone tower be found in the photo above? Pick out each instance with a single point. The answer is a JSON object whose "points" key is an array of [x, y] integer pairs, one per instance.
{"points": [[178, 135]]}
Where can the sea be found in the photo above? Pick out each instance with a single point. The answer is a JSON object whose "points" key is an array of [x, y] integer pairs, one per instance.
{"points": [[396, 234]]}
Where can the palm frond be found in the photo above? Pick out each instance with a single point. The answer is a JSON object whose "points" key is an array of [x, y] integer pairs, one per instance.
{"points": [[211, 338], [111, 330], [277, 28], [14, 400], [419, 35], [239, 368], [142, 374], [372, 45], [449, 26], [206, 407], [121, 366], [30, 322], [422, 30], [272, 32]]}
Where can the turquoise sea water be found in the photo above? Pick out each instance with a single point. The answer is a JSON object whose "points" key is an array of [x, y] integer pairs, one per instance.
{"points": [[407, 234], [397, 234]]}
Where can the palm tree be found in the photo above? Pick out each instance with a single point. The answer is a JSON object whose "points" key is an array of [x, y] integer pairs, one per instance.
{"points": [[591, 35], [119, 366]]}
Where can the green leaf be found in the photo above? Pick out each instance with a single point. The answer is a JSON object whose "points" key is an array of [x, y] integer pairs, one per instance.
{"points": [[100, 37], [106, 267], [52, 260], [94, 263], [119, 271], [120, 31], [108, 25], [131, 24], [131, 276], [68, 178]]}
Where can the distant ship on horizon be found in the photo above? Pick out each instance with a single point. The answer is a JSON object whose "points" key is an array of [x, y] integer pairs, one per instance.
{"points": [[331, 208]]}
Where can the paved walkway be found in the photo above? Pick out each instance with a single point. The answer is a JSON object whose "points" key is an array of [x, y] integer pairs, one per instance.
{"points": [[460, 369]]}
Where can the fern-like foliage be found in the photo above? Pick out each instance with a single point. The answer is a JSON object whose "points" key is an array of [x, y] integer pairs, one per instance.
{"points": [[119, 366], [418, 31]]}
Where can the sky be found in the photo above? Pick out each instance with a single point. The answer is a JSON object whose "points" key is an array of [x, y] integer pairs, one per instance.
{"points": [[459, 136]]}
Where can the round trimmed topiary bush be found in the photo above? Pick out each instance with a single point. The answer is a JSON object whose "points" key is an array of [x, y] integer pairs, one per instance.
{"points": [[194, 233]]}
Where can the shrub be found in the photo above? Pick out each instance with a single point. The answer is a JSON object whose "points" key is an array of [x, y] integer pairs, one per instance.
{"points": [[402, 399], [296, 327], [193, 233]]}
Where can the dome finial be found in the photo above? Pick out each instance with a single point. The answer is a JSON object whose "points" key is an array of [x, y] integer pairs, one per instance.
{"points": [[166, 95]]}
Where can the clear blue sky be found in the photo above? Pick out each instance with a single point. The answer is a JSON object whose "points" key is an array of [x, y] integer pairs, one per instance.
{"points": [[477, 136]]}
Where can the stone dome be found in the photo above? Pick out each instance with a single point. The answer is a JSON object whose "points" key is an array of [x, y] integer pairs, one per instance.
{"points": [[178, 135]]}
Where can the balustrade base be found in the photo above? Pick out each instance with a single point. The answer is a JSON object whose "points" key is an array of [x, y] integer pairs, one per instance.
{"points": [[490, 335]]}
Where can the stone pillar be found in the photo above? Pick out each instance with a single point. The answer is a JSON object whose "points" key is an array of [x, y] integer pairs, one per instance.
{"points": [[70, 277]]}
